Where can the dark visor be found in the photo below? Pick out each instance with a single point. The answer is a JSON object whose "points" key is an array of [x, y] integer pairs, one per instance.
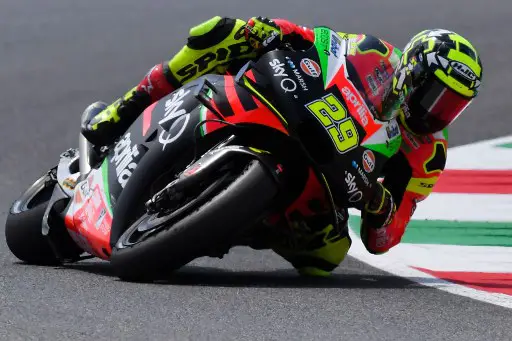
{"points": [[437, 105]]}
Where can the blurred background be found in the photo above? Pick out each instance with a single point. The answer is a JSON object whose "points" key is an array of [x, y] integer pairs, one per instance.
{"points": [[58, 56]]}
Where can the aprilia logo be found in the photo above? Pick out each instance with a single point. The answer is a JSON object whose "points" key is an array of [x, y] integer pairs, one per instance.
{"points": [[124, 158]]}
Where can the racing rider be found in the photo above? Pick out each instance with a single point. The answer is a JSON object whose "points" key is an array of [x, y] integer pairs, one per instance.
{"points": [[434, 79]]}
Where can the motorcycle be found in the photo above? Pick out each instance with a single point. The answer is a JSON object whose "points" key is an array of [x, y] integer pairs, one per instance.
{"points": [[206, 163]]}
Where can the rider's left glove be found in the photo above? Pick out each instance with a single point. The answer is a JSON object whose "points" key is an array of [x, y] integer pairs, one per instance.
{"points": [[263, 33]]}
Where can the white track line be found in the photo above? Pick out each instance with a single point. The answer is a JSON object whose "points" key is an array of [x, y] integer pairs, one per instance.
{"points": [[396, 267], [393, 261]]}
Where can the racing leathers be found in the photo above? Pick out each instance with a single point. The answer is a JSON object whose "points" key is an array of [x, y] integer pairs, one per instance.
{"points": [[220, 45]]}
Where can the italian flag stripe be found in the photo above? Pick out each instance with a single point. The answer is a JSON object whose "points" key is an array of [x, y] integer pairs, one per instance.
{"points": [[486, 281], [475, 181], [462, 233], [450, 232]]}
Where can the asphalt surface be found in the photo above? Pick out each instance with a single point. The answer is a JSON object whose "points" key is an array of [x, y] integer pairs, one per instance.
{"points": [[58, 56]]}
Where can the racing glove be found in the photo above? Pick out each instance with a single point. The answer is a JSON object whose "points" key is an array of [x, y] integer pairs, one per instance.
{"points": [[380, 209], [263, 33]]}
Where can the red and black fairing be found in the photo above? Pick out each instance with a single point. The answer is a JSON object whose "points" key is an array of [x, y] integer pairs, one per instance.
{"points": [[303, 125], [267, 107], [168, 136], [237, 106]]}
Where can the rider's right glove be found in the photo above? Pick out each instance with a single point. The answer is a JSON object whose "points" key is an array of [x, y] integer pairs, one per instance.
{"points": [[263, 34], [381, 209]]}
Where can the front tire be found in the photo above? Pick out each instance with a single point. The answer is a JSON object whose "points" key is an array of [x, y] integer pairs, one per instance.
{"points": [[210, 224]]}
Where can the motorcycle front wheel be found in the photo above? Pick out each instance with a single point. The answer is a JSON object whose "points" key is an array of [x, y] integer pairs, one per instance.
{"points": [[150, 248]]}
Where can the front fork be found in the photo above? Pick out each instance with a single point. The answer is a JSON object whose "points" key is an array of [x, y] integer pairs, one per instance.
{"points": [[86, 149], [55, 229]]}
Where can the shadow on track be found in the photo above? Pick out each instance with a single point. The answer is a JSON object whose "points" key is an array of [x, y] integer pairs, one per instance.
{"points": [[192, 275]]}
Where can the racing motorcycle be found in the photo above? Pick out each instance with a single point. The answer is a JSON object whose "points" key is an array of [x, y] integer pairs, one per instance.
{"points": [[205, 164]]}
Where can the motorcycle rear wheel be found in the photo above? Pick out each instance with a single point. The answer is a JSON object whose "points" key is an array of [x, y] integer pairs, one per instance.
{"points": [[23, 225], [208, 223]]}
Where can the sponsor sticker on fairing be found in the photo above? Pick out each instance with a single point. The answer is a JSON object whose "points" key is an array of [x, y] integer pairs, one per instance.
{"points": [[359, 106], [173, 105], [392, 130], [125, 159], [310, 67], [361, 173], [368, 161], [287, 84], [353, 192], [335, 45]]}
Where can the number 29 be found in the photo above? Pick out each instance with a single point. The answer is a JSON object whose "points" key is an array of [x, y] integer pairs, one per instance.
{"points": [[333, 116]]}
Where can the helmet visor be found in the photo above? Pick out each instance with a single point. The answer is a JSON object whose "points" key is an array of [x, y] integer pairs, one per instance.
{"points": [[435, 105]]}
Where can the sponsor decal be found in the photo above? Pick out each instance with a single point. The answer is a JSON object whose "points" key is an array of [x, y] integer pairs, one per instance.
{"points": [[279, 169], [392, 130], [278, 68], [173, 110], [291, 64], [124, 159], [463, 70], [149, 87], [310, 67], [368, 161], [223, 54], [297, 74], [414, 205], [358, 105], [270, 39], [353, 192], [406, 110], [173, 106], [381, 237], [102, 214], [379, 76], [361, 173], [352, 47], [425, 185], [301, 80], [85, 190], [287, 84], [373, 85], [69, 183], [335, 45], [324, 36], [180, 124], [411, 139]]}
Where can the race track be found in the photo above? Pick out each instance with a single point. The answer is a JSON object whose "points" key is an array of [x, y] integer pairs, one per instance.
{"points": [[58, 56]]}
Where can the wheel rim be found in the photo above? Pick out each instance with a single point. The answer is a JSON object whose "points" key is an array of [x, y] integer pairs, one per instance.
{"points": [[149, 224], [39, 193]]}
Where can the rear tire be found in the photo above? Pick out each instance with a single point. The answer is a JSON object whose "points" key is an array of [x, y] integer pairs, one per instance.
{"points": [[23, 225], [209, 224]]}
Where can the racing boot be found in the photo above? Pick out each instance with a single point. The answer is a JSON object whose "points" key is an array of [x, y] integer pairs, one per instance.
{"points": [[319, 246], [105, 126]]}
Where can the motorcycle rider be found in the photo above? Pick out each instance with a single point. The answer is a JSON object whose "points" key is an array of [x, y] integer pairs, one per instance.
{"points": [[434, 79]]}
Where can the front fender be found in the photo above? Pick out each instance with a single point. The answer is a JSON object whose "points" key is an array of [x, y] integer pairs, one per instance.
{"points": [[217, 157]]}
